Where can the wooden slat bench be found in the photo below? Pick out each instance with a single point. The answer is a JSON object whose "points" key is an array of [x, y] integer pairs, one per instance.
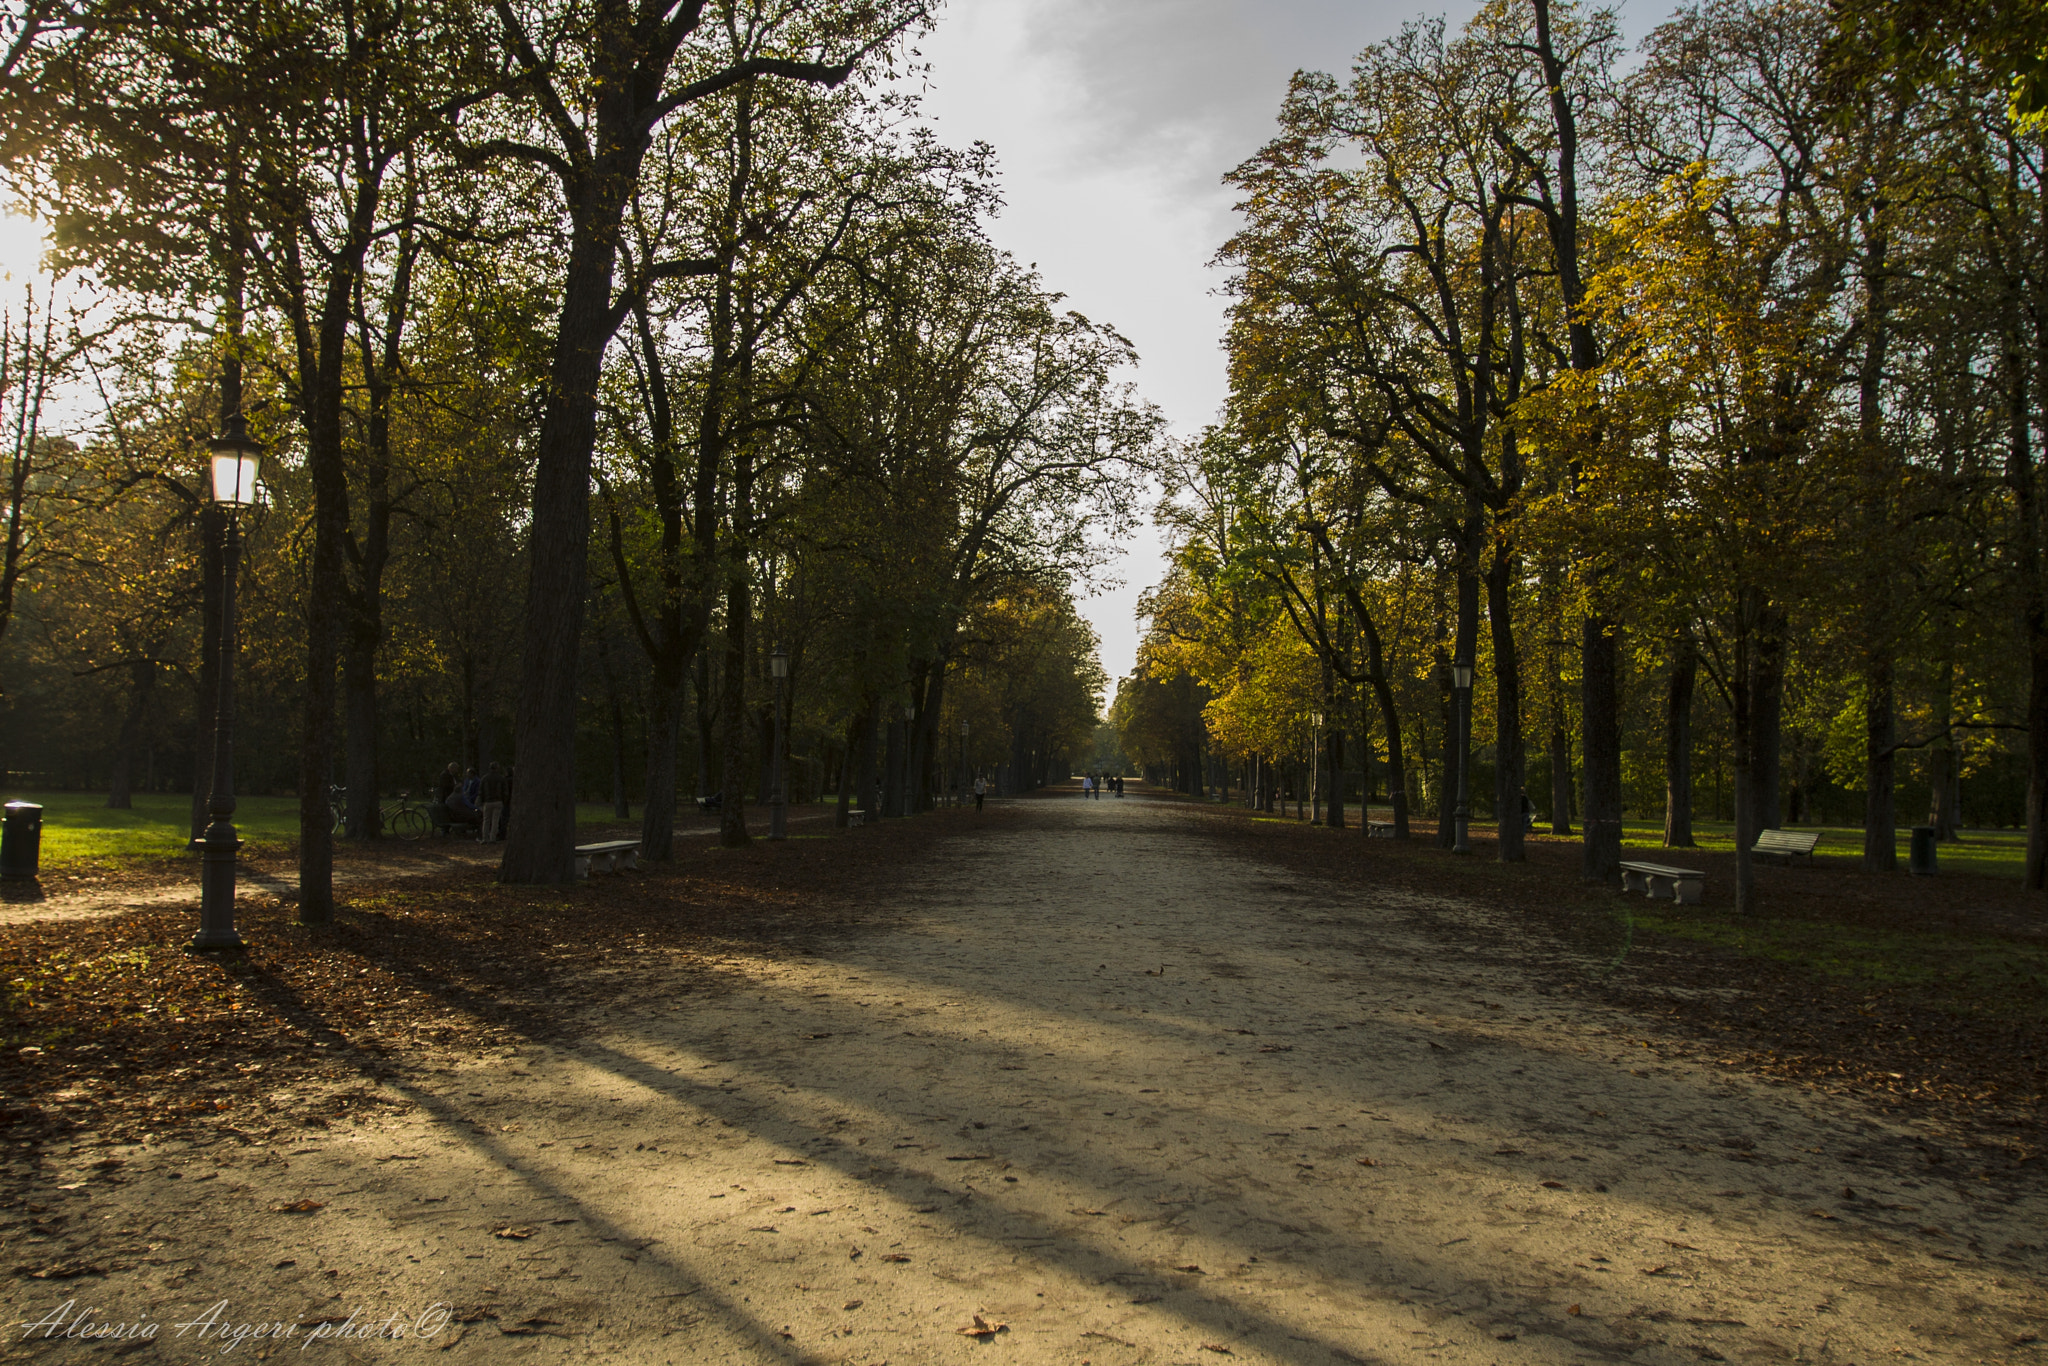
{"points": [[612, 854], [1655, 880], [1786, 844]]}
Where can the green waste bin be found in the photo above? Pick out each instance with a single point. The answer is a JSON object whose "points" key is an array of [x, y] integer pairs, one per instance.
{"points": [[21, 840], [1920, 855]]}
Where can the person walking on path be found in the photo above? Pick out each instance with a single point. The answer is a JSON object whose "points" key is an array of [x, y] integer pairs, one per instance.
{"points": [[1087, 785], [980, 791]]}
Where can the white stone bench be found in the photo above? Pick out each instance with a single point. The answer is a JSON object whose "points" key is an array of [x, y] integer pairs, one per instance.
{"points": [[1656, 880], [1379, 830], [612, 854]]}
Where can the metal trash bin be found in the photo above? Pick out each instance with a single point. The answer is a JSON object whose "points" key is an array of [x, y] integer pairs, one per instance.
{"points": [[21, 841], [1920, 861]]}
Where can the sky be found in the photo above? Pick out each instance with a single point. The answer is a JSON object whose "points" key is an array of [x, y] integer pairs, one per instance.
{"points": [[1114, 121]]}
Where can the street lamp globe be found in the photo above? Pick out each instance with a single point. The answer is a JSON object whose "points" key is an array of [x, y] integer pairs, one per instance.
{"points": [[1461, 674], [779, 662], [236, 460]]}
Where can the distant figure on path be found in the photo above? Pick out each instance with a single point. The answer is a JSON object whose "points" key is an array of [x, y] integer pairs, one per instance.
{"points": [[1087, 786], [1119, 786], [980, 791]]}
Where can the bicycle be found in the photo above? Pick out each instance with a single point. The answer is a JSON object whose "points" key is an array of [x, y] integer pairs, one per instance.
{"points": [[405, 820], [401, 818]]}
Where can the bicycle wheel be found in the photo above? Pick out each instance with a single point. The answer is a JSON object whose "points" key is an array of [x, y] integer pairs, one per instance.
{"points": [[409, 824]]}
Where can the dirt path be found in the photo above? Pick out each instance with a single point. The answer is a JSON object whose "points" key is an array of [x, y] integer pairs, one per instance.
{"points": [[1134, 1100]]}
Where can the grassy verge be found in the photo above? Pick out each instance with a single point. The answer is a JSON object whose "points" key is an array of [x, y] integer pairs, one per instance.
{"points": [[1996, 853], [78, 827], [1960, 971]]}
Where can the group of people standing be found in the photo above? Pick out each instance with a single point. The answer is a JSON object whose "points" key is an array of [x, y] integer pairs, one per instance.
{"points": [[1094, 785], [482, 802]]}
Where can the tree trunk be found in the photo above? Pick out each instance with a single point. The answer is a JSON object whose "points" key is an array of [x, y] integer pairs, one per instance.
{"points": [[1767, 710], [1333, 764], [1560, 781], [1510, 780], [848, 765], [142, 682], [704, 714], [1941, 755], [892, 771], [658, 793], [1600, 713], [359, 705], [864, 773], [732, 815], [1880, 730], [540, 843], [1685, 665]]}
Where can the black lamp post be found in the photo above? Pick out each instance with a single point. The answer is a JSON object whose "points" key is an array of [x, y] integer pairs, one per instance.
{"points": [[234, 465], [778, 810], [1461, 679]]}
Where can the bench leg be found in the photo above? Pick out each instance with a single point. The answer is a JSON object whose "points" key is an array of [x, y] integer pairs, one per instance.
{"points": [[630, 860], [1632, 881], [582, 867], [1657, 888], [1689, 891]]}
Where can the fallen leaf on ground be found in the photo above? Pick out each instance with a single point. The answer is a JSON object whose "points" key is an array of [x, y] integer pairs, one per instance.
{"points": [[513, 1233], [1573, 1310], [1554, 1185], [1191, 1269], [1216, 1347], [1367, 1162], [853, 1304], [982, 1328], [1087, 1211], [296, 1207], [526, 1327], [895, 1257], [1656, 1270], [62, 1271]]}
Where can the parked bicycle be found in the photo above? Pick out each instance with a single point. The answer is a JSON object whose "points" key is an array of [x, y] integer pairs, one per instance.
{"points": [[400, 818], [405, 820]]}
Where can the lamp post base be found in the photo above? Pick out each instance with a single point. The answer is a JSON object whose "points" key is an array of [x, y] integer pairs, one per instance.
{"points": [[217, 891]]}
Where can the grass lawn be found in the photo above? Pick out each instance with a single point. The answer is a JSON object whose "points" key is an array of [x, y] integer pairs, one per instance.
{"points": [[1999, 853], [1996, 853], [78, 827]]}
